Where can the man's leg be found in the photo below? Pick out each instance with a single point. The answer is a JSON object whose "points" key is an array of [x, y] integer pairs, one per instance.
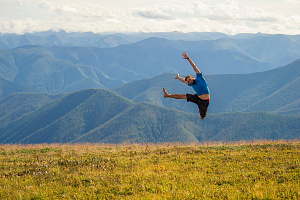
{"points": [[175, 96], [203, 105]]}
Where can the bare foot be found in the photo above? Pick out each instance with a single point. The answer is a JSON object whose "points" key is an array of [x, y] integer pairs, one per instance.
{"points": [[201, 116], [165, 93]]}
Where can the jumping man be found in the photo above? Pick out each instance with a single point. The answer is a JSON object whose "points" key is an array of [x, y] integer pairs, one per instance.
{"points": [[199, 84]]}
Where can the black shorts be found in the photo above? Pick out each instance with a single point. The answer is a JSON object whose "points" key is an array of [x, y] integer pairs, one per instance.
{"points": [[202, 104]]}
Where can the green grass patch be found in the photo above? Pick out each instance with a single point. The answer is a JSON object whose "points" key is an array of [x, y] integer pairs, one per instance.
{"points": [[265, 170], [29, 151]]}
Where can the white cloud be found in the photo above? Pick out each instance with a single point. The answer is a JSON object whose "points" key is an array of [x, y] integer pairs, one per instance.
{"points": [[295, 2], [56, 8], [69, 9], [152, 14], [75, 15]]}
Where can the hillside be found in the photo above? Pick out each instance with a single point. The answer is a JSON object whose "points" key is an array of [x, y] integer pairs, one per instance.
{"points": [[34, 68], [98, 115], [19, 104], [71, 115], [274, 91], [156, 124], [142, 123], [275, 49], [8, 87]]}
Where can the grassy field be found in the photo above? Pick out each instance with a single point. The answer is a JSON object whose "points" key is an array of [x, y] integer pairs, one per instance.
{"points": [[241, 170]]}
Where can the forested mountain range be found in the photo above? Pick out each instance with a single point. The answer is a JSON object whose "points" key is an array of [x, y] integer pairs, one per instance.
{"points": [[102, 40], [46, 95], [274, 91], [56, 69], [18, 104], [98, 115], [8, 87], [267, 48]]}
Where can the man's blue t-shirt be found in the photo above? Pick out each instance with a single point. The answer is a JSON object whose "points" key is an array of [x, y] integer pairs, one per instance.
{"points": [[200, 85]]}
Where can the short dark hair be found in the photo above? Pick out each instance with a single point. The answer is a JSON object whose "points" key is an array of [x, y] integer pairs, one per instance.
{"points": [[188, 76]]}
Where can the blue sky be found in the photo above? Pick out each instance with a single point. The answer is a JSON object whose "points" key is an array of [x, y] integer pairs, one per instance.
{"points": [[230, 17]]}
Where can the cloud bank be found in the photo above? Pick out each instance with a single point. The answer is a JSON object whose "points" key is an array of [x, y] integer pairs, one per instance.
{"points": [[78, 16]]}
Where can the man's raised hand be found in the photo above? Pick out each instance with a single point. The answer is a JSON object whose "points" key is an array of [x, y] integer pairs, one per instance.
{"points": [[185, 56], [177, 77]]}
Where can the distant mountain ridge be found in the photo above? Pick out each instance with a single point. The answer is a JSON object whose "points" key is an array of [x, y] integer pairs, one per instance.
{"points": [[58, 69], [57, 62], [267, 48], [102, 40], [98, 115]]}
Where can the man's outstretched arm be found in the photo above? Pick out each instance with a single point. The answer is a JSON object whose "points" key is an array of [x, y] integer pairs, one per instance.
{"points": [[185, 56], [181, 79]]}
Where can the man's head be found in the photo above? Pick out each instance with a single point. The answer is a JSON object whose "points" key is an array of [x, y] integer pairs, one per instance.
{"points": [[190, 79]]}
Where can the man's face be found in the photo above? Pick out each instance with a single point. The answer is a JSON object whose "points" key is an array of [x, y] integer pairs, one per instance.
{"points": [[190, 80]]}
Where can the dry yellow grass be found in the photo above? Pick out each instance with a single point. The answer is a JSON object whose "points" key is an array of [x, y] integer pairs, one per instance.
{"points": [[209, 170]]}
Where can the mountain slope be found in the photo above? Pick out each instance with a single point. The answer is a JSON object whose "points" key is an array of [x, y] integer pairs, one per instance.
{"points": [[35, 68], [67, 118], [157, 124], [18, 104], [8, 87], [94, 111], [42, 117], [98, 115], [249, 126], [144, 122], [275, 49]]}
